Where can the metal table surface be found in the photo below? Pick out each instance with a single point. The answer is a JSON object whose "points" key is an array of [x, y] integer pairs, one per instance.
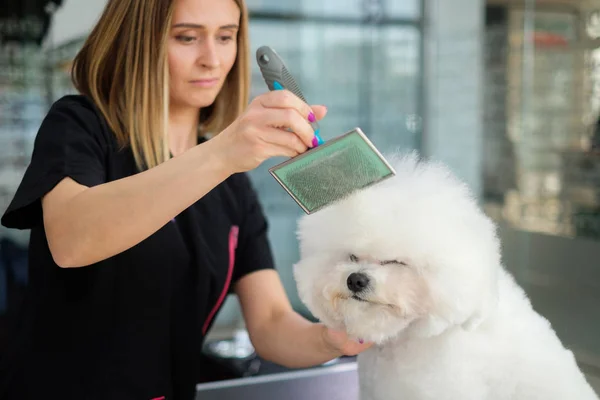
{"points": [[337, 382]]}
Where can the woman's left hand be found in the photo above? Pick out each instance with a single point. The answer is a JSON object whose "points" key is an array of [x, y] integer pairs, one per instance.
{"points": [[339, 342]]}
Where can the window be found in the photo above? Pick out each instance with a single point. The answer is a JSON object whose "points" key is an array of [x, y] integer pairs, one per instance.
{"points": [[542, 168]]}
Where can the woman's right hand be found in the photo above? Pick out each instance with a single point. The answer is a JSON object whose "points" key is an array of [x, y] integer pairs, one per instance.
{"points": [[276, 123]]}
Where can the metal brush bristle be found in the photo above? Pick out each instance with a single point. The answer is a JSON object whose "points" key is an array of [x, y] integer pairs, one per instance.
{"points": [[331, 172]]}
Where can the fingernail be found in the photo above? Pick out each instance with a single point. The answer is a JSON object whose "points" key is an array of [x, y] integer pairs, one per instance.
{"points": [[318, 137], [361, 341], [311, 117], [315, 142]]}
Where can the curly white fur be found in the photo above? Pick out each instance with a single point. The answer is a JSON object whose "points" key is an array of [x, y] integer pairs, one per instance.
{"points": [[448, 321]]}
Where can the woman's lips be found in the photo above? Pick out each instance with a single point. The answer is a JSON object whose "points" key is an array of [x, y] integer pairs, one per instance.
{"points": [[205, 83]]}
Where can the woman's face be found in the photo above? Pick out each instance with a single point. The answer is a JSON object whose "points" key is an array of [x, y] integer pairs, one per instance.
{"points": [[202, 49]]}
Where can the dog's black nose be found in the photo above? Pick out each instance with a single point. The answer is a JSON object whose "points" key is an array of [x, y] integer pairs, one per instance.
{"points": [[357, 282]]}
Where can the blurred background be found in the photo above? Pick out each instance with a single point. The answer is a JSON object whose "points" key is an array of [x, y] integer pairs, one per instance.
{"points": [[504, 91]]}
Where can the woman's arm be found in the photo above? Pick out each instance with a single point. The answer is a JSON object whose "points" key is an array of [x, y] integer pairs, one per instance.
{"points": [[281, 335], [86, 225]]}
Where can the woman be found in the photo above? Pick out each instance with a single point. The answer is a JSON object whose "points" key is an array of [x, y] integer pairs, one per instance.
{"points": [[139, 227]]}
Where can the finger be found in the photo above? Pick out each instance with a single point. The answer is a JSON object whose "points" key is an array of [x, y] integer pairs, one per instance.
{"points": [[291, 119], [366, 345], [274, 150], [337, 334], [356, 348], [286, 99], [319, 111], [283, 138]]}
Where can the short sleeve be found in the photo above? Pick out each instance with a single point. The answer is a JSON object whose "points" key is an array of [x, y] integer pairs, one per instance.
{"points": [[254, 250], [69, 143]]}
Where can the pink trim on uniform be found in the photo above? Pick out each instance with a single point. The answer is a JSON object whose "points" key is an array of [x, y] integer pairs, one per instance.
{"points": [[233, 240]]}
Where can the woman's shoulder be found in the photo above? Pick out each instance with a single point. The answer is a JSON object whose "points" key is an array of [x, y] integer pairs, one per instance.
{"points": [[78, 103], [78, 114]]}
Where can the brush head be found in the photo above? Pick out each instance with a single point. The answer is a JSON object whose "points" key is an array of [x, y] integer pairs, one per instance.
{"points": [[333, 171]]}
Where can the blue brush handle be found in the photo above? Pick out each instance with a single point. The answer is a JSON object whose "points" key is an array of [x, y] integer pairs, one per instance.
{"points": [[278, 77]]}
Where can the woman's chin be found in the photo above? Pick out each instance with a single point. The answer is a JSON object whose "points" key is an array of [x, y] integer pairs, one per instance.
{"points": [[198, 101]]}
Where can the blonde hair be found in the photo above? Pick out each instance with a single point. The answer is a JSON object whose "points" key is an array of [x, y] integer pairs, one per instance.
{"points": [[123, 68]]}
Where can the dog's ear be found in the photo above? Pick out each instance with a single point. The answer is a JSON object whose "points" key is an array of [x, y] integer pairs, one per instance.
{"points": [[446, 311], [433, 325], [428, 327], [486, 306], [474, 321]]}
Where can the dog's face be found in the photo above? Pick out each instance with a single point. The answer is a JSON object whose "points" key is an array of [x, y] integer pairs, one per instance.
{"points": [[412, 254]]}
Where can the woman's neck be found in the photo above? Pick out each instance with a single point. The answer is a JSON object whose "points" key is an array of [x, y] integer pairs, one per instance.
{"points": [[183, 129]]}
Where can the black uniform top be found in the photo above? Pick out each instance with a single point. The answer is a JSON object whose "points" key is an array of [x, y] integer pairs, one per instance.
{"points": [[131, 326]]}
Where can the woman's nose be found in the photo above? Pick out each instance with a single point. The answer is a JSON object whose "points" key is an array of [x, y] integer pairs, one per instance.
{"points": [[209, 56]]}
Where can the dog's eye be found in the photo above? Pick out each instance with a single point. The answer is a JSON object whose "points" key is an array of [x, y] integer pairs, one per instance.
{"points": [[393, 262], [353, 258]]}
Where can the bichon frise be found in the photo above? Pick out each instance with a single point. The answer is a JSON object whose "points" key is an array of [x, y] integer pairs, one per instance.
{"points": [[414, 265]]}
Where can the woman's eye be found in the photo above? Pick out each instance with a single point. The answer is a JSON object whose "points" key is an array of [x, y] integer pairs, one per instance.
{"points": [[185, 39], [353, 258], [225, 39]]}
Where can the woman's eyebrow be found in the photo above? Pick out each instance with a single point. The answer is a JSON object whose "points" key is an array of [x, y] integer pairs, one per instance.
{"points": [[199, 26]]}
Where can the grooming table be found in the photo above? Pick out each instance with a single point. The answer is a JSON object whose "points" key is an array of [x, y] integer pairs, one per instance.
{"points": [[336, 382]]}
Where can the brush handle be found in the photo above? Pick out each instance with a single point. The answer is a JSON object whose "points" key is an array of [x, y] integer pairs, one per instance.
{"points": [[278, 77]]}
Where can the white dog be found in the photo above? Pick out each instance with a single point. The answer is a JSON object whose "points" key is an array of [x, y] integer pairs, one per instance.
{"points": [[414, 265]]}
